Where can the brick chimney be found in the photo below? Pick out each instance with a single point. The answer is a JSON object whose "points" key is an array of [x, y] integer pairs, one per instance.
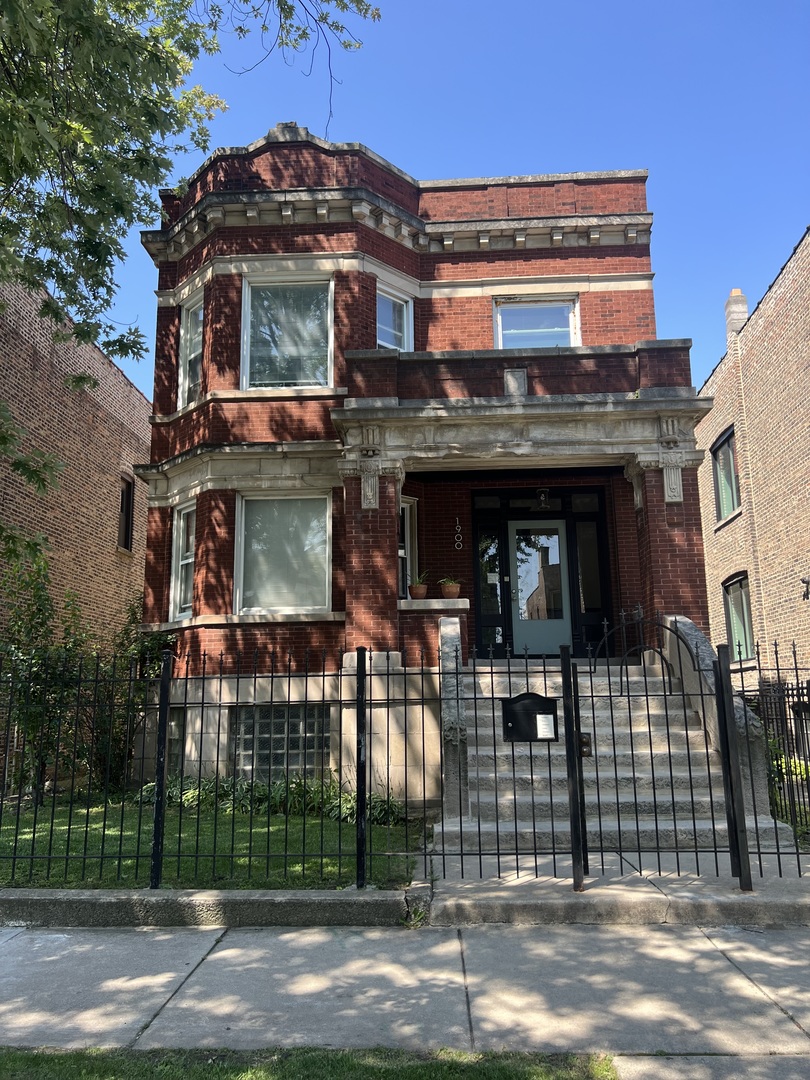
{"points": [[736, 312]]}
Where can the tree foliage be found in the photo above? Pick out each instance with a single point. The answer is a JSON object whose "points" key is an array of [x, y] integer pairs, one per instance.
{"points": [[94, 106]]}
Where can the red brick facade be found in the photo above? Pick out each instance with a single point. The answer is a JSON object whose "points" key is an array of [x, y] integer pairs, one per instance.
{"points": [[98, 434], [461, 439]]}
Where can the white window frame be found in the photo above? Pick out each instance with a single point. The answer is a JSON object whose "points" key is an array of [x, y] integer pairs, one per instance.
{"points": [[239, 561], [407, 321], [739, 584], [406, 546], [193, 304], [571, 302], [180, 560], [264, 282], [725, 471]]}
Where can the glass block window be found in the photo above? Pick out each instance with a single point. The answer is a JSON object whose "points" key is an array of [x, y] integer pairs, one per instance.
{"points": [[270, 742]]}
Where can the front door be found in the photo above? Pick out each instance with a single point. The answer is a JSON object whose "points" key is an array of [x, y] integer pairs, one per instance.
{"points": [[538, 586]]}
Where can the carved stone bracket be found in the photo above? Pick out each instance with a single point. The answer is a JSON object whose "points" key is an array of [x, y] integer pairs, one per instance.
{"points": [[369, 466], [634, 473]]}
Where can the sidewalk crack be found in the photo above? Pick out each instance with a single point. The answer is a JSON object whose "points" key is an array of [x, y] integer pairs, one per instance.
{"points": [[145, 1027], [765, 993], [466, 990]]}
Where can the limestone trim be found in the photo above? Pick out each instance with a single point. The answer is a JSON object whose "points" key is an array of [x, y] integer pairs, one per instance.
{"points": [[326, 393], [351, 262], [245, 620], [365, 207]]}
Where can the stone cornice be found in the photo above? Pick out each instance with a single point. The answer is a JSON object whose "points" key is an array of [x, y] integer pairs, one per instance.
{"points": [[318, 207]]}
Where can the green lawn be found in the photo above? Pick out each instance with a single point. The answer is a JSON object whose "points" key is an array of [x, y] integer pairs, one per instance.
{"points": [[298, 1065], [110, 847]]}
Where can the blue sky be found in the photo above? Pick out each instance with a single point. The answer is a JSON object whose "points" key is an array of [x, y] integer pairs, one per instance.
{"points": [[711, 98]]}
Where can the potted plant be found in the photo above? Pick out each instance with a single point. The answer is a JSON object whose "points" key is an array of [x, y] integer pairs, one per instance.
{"points": [[451, 587], [417, 589]]}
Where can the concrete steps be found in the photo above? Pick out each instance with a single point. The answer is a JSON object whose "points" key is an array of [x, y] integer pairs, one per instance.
{"points": [[652, 782]]}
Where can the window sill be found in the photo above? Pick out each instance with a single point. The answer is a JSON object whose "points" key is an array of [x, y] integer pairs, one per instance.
{"points": [[728, 520], [245, 620], [125, 551], [434, 605]]}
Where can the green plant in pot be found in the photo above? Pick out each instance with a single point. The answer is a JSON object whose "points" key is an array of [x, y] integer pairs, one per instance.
{"points": [[417, 588], [450, 586]]}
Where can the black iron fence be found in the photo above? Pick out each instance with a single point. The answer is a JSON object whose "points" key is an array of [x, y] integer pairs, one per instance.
{"points": [[313, 771]]}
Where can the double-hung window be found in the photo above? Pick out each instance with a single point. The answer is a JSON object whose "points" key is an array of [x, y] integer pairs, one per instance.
{"points": [[287, 334], [393, 322], [185, 524], [535, 324], [126, 514], [284, 554], [189, 383], [726, 480], [739, 628]]}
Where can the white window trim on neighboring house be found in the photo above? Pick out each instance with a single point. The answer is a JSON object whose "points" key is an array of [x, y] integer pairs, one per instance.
{"points": [[737, 606], [249, 284], [284, 608], [501, 304], [181, 561], [725, 472], [190, 307], [406, 303]]}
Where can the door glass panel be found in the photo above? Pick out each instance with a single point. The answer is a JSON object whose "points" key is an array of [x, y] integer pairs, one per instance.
{"points": [[539, 582], [489, 572], [590, 586]]}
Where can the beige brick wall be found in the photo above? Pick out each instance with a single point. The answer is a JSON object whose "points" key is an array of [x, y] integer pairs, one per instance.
{"points": [[761, 387], [98, 435]]}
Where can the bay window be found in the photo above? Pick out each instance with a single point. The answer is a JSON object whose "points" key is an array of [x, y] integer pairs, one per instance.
{"points": [[284, 555], [182, 587], [393, 322], [287, 334], [189, 381]]}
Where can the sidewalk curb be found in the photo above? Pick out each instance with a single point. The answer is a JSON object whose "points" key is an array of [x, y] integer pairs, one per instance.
{"points": [[231, 908]]}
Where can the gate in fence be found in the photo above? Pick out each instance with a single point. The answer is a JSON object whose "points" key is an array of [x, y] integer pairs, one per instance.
{"points": [[328, 771]]}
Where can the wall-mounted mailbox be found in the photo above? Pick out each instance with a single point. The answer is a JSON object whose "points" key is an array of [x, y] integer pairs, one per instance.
{"points": [[529, 718]]}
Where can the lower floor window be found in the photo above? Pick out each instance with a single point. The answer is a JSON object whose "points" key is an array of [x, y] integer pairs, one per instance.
{"points": [[270, 742], [285, 555], [738, 618]]}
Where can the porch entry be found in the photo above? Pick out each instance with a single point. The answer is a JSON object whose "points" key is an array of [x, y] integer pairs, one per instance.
{"points": [[542, 578]]}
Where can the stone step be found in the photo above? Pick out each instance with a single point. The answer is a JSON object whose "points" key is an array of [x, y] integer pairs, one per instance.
{"points": [[681, 807], [604, 780], [504, 758], [638, 737], [612, 833]]}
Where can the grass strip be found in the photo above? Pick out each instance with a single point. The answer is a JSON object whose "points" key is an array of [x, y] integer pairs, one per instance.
{"points": [[309, 1064]]}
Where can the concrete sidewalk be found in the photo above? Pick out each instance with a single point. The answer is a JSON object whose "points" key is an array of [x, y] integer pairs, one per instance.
{"points": [[667, 1001]]}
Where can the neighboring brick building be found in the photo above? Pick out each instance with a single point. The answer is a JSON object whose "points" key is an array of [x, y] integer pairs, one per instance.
{"points": [[95, 518], [360, 376], [754, 480]]}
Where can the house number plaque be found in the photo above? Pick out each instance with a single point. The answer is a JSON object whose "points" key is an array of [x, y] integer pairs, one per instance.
{"points": [[459, 537]]}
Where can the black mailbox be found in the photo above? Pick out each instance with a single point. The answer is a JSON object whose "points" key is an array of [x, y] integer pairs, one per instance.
{"points": [[529, 718]]}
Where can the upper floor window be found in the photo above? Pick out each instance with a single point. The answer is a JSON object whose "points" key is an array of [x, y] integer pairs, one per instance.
{"points": [[726, 481], [189, 381], [739, 628], [535, 324], [126, 514], [185, 527], [393, 322], [284, 555], [287, 335]]}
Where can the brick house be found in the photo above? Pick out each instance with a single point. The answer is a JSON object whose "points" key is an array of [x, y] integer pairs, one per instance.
{"points": [[361, 376], [94, 520], [753, 480]]}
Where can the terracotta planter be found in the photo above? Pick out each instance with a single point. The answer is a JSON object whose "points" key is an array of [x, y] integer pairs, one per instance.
{"points": [[450, 592], [417, 592]]}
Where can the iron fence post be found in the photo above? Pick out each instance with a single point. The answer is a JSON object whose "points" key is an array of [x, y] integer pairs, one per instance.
{"points": [[156, 863], [732, 774], [362, 794], [572, 751]]}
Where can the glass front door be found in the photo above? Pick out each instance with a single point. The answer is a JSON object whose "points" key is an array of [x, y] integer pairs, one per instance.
{"points": [[538, 586]]}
